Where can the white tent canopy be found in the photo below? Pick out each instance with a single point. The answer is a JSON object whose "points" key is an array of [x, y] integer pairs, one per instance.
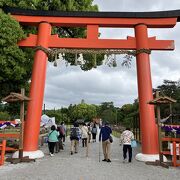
{"points": [[47, 121]]}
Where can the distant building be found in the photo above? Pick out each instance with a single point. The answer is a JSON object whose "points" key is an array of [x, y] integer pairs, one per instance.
{"points": [[82, 101]]}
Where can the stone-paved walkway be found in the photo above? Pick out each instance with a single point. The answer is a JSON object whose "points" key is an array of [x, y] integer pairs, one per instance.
{"points": [[64, 166]]}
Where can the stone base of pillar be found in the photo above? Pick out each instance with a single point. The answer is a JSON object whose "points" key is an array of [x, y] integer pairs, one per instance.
{"points": [[149, 157], [32, 154]]}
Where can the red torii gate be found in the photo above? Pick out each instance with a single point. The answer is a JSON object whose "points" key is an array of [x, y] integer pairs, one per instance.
{"points": [[140, 21]]}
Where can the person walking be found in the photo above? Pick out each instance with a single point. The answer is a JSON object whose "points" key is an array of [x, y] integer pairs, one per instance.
{"points": [[84, 132], [104, 134], [62, 131], [125, 139], [75, 136], [94, 132], [59, 144], [89, 133], [52, 139]]}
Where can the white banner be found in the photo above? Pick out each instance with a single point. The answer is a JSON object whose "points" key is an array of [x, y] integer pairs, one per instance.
{"points": [[47, 121]]}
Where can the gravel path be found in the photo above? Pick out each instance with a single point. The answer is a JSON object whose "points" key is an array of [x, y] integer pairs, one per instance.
{"points": [[64, 166]]}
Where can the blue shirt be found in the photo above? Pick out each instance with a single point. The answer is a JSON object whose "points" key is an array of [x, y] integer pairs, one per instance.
{"points": [[105, 133]]}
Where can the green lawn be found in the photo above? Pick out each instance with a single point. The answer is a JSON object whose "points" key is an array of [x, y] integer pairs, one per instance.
{"points": [[116, 134]]}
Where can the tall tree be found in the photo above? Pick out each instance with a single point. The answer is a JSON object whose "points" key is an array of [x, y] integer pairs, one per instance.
{"points": [[13, 71], [16, 63], [172, 89], [84, 111], [108, 112], [168, 88]]}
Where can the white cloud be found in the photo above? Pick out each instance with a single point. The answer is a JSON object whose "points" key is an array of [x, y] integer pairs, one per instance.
{"points": [[66, 85]]}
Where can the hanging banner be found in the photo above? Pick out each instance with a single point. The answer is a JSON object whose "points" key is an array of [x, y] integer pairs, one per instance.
{"points": [[47, 121], [4, 124]]}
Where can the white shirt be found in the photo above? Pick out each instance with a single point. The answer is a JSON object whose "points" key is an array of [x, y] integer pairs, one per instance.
{"points": [[126, 137], [84, 131]]}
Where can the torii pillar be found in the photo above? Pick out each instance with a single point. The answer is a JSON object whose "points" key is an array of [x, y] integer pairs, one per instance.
{"points": [[34, 111], [148, 126]]}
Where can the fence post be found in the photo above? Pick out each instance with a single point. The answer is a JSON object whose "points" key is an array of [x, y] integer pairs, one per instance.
{"points": [[174, 154], [3, 152]]}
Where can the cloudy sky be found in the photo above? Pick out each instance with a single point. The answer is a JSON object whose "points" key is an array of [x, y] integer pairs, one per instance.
{"points": [[69, 85]]}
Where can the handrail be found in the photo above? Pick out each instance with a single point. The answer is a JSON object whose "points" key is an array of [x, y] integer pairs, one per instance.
{"points": [[9, 135], [171, 139], [5, 136], [174, 141]]}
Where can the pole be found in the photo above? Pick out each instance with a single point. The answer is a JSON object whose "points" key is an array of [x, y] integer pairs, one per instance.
{"points": [[44, 108], [87, 148], [159, 130], [116, 117], [99, 150], [21, 140]]}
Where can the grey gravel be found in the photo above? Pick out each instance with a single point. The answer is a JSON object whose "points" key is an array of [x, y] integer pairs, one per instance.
{"points": [[64, 166]]}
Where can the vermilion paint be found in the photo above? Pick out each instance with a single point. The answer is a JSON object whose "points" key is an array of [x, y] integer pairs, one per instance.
{"points": [[140, 41], [148, 126], [32, 123]]}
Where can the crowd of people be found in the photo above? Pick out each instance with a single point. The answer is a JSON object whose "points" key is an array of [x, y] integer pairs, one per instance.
{"points": [[87, 133]]}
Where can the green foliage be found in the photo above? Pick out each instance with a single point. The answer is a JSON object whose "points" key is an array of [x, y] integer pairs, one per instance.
{"points": [[65, 5], [10, 30], [13, 109], [108, 112], [14, 71], [127, 108], [168, 88], [16, 63], [109, 115], [127, 113], [171, 89], [84, 111], [107, 105], [91, 61], [73, 112], [60, 115], [57, 115], [4, 116], [72, 32]]}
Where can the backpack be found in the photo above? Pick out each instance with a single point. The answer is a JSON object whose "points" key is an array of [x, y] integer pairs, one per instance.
{"points": [[94, 130], [74, 134]]}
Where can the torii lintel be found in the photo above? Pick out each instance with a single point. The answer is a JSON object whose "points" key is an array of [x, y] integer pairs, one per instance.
{"points": [[129, 43]]}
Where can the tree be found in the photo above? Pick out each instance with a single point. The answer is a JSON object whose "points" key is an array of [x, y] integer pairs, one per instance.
{"points": [[127, 113], [84, 111], [107, 105], [168, 88], [109, 115], [108, 112], [14, 70], [5, 116], [62, 5], [15, 62], [171, 89]]}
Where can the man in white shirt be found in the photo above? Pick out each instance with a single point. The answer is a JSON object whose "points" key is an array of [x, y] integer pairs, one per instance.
{"points": [[125, 139]]}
